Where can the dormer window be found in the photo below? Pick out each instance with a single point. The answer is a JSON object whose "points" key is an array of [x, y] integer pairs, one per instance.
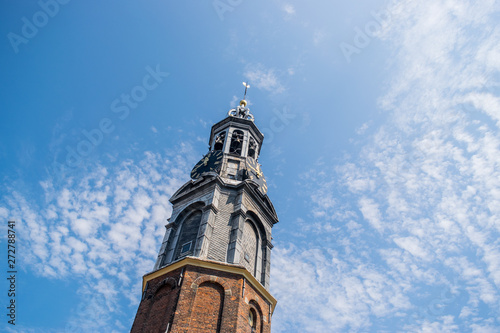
{"points": [[236, 142], [252, 148], [219, 141]]}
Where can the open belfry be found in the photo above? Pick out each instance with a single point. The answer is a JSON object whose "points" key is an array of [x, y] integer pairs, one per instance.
{"points": [[213, 268]]}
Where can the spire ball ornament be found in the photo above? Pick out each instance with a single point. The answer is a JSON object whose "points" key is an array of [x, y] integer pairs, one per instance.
{"points": [[241, 111]]}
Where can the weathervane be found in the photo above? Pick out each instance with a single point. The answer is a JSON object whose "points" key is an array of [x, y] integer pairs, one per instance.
{"points": [[241, 110], [246, 87]]}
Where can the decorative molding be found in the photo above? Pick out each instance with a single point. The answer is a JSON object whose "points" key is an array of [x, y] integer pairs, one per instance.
{"points": [[167, 281], [239, 212], [212, 278], [210, 206], [220, 266]]}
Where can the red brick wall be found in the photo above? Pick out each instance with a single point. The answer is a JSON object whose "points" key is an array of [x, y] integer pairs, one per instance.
{"points": [[207, 309], [208, 300], [253, 299], [156, 309]]}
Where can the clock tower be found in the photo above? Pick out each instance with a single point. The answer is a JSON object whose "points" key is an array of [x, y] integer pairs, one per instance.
{"points": [[212, 270]]}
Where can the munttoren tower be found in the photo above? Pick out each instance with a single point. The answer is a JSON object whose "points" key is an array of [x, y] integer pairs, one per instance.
{"points": [[212, 271]]}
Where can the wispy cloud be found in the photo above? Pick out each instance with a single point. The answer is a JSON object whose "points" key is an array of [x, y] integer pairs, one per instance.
{"points": [[424, 191], [289, 10], [318, 37], [263, 78]]}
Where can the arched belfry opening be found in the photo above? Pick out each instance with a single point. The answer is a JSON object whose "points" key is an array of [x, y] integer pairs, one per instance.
{"points": [[236, 142], [252, 148], [220, 139]]}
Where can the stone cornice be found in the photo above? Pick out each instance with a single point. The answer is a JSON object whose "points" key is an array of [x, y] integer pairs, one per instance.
{"points": [[215, 265], [211, 207], [201, 184], [239, 212]]}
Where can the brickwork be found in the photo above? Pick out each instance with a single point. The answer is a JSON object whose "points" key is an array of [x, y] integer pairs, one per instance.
{"points": [[207, 309], [158, 304], [207, 301], [252, 299]]}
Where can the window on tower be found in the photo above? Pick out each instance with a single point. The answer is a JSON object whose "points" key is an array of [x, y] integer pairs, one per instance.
{"points": [[252, 319], [252, 148], [219, 141], [186, 247], [187, 236], [236, 142]]}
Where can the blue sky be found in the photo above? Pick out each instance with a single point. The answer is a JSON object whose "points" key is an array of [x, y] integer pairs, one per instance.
{"points": [[382, 153]]}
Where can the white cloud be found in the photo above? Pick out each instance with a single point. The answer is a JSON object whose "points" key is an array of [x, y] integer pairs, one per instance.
{"points": [[289, 9], [318, 37], [321, 292], [263, 78], [427, 181], [371, 213], [412, 245], [103, 229]]}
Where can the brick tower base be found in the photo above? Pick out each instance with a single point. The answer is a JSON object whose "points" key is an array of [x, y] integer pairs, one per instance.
{"points": [[202, 296]]}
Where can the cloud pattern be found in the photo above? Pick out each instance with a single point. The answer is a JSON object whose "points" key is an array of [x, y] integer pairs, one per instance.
{"points": [[103, 229], [406, 235]]}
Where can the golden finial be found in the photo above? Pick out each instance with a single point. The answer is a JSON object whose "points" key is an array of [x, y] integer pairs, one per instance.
{"points": [[241, 111]]}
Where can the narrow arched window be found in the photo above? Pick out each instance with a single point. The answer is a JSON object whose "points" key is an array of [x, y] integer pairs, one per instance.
{"points": [[252, 319], [219, 141], [255, 317], [236, 142], [252, 148]]}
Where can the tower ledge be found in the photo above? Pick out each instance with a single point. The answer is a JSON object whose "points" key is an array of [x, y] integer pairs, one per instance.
{"points": [[214, 265]]}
